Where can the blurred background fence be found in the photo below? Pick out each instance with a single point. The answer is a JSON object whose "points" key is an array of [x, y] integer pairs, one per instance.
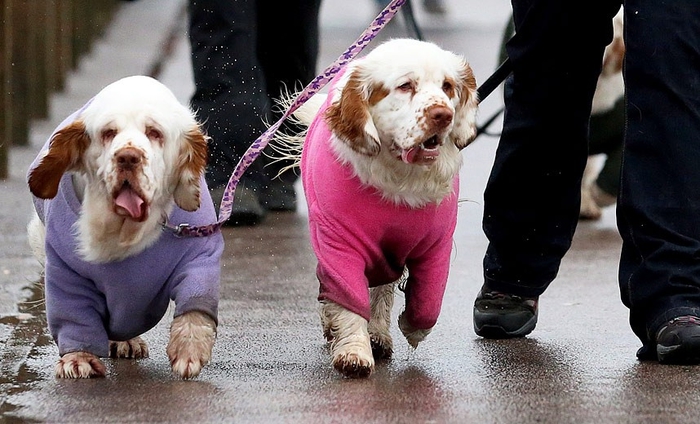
{"points": [[41, 41]]}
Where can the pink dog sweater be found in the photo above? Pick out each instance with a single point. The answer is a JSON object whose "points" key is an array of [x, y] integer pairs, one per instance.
{"points": [[362, 240]]}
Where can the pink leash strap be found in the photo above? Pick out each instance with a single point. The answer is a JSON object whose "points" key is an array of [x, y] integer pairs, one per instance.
{"points": [[185, 230]]}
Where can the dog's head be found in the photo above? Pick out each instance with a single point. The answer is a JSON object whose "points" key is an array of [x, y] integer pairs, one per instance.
{"points": [[410, 97], [135, 144]]}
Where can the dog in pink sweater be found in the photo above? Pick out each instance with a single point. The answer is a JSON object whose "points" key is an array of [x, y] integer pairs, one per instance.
{"points": [[379, 165]]}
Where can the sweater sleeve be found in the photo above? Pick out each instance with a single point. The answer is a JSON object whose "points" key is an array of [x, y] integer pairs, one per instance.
{"points": [[426, 285], [196, 280], [76, 311], [341, 268], [429, 269]]}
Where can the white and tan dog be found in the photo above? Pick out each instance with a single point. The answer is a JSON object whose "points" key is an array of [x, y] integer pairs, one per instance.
{"points": [[379, 165], [112, 173]]}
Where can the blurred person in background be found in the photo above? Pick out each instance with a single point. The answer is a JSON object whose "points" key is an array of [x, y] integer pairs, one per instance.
{"points": [[244, 53]]}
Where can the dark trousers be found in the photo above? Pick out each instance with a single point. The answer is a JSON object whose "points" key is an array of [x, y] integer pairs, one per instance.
{"points": [[606, 132], [243, 53], [533, 194]]}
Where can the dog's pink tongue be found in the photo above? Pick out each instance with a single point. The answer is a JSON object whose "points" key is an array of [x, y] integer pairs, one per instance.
{"points": [[409, 156], [130, 202]]}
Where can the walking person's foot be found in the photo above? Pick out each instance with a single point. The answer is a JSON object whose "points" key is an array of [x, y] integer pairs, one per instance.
{"points": [[499, 315]]}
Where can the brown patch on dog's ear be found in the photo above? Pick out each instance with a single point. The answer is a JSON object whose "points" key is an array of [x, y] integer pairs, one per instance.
{"points": [[464, 127], [191, 166], [65, 153], [350, 120]]}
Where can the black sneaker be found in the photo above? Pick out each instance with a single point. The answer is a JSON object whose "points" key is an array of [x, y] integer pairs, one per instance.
{"points": [[499, 315], [678, 342]]}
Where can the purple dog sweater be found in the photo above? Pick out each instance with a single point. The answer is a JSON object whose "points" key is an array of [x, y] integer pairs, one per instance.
{"points": [[362, 240], [88, 304]]}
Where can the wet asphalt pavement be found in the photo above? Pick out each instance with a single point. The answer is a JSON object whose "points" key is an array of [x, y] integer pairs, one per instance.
{"points": [[270, 363]]}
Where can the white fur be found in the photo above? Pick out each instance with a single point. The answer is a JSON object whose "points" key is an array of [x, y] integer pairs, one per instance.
{"points": [[36, 235], [135, 348], [79, 365], [351, 351], [162, 113], [415, 186], [192, 337], [398, 120]]}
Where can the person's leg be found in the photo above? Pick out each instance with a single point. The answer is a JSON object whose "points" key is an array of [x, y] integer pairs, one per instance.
{"points": [[435, 7], [287, 45], [659, 201], [229, 96], [531, 202]]}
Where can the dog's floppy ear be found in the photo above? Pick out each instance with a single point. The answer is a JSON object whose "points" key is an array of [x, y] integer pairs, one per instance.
{"points": [[349, 117], [65, 153], [192, 161], [464, 128]]}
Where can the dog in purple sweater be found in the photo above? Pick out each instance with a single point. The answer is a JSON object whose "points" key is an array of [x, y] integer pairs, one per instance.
{"points": [[112, 173]]}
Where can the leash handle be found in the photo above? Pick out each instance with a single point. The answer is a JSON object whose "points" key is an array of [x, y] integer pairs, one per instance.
{"points": [[252, 153], [498, 76]]}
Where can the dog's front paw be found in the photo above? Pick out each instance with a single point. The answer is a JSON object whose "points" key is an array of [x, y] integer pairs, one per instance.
{"points": [[413, 335], [135, 348], [80, 365], [192, 337], [351, 352], [354, 363]]}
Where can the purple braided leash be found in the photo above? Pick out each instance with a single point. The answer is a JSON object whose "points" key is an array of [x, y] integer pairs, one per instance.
{"points": [[185, 230]]}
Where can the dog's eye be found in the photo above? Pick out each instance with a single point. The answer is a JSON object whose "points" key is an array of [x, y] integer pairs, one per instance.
{"points": [[154, 134], [407, 87], [108, 134], [448, 88]]}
